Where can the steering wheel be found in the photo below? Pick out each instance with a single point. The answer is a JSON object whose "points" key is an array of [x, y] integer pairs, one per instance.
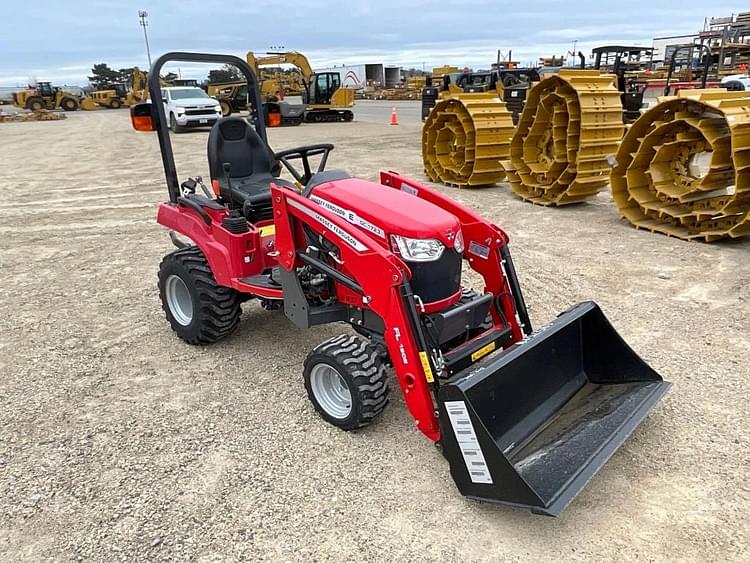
{"points": [[304, 153]]}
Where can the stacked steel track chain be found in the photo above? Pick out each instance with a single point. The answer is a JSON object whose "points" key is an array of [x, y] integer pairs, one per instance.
{"points": [[683, 168], [571, 124], [464, 139]]}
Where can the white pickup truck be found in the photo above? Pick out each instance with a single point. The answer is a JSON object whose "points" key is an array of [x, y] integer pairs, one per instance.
{"points": [[189, 106]]}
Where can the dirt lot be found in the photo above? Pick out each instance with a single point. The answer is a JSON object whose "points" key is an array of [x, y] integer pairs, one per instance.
{"points": [[120, 442]]}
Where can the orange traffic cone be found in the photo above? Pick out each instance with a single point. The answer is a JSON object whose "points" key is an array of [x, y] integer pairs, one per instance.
{"points": [[394, 117]]}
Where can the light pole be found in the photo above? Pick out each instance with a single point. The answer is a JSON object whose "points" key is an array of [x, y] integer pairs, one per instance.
{"points": [[143, 14]]}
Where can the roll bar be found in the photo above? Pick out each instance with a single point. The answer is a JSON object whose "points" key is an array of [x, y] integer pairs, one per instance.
{"points": [[159, 116], [673, 61]]}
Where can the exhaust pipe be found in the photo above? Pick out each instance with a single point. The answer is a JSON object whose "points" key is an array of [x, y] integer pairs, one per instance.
{"points": [[531, 426]]}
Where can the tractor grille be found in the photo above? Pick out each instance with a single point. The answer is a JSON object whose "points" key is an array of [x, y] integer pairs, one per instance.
{"points": [[437, 280], [200, 111]]}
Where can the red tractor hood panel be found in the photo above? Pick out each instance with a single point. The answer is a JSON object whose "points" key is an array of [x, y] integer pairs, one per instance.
{"points": [[382, 211]]}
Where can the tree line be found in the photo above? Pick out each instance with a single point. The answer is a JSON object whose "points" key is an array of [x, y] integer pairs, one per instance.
{"points": [[103, 76]]}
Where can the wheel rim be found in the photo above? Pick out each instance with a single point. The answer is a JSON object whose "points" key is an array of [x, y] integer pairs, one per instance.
{"points": [[331, 391], [179, 300]]}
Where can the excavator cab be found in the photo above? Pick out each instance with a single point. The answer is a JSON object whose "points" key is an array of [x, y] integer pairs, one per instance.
{"points": [[321, 88]]}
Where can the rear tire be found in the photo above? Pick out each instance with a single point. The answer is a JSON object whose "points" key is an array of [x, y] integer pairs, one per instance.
{"points": [[198, 309], [69, 104], [226, 108], [734, 86], [346, 381]]}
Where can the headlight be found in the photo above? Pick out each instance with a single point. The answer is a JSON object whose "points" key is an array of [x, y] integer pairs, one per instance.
{"points": [[217, 108], [179, 110], [458, 244], [417, 250]]}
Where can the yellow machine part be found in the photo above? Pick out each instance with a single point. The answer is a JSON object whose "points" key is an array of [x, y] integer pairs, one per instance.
{"points": [[43, 115], [683, 168], [88, 104], [464, 139], [570, 125], [343, 98]]}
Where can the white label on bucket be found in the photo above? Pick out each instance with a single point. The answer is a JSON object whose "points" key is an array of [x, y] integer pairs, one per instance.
{"points": [[467, 441]]}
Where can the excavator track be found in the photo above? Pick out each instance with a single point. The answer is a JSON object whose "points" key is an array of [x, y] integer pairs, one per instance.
{"points": [[571, 124], [683, 168], [464, 139]]}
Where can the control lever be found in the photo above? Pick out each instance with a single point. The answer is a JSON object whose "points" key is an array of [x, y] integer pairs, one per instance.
{"points": [[206, 191]]}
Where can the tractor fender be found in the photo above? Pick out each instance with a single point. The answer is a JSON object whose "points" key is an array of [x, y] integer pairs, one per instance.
{"points": [[186, 222]]}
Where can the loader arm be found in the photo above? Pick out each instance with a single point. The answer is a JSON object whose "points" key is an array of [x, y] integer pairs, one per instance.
{"points": [[382, 279]]}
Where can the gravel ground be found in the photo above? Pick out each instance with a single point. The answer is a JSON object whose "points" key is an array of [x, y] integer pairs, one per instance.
{"points": [[120, 442]]}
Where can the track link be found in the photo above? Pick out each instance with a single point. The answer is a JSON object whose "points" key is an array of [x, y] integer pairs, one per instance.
{"points": [[464, 139], [571, 124], [683, 168]]}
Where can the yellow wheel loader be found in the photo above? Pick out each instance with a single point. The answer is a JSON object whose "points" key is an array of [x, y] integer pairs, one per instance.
{"points": [[45, 96]]}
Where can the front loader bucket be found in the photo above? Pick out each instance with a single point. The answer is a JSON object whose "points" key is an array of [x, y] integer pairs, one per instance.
{"points": [[532, 425], [88, 104]]}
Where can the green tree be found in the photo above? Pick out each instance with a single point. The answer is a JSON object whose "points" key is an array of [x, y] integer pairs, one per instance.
{"points": [[103, 76], [227, 73]]}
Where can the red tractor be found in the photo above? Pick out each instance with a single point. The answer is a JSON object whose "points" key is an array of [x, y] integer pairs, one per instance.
{"points": [[523, 418]]}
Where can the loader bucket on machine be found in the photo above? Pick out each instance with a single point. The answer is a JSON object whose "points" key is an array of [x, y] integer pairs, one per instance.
{"points": [[531, 426], [88, 104]]}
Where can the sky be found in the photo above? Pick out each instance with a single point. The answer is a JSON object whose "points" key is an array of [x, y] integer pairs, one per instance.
{"points": [[60, 41]]}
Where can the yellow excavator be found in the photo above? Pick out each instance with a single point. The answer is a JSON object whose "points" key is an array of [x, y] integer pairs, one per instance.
{"points": [[324, 97], [45, 97], [138, 91]]}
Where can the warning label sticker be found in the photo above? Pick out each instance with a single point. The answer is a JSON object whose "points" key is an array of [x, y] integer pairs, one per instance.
{"points": [[468, 443]]}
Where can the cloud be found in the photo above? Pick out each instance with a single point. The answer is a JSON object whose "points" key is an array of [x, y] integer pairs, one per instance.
{"points": [[40, 39]]}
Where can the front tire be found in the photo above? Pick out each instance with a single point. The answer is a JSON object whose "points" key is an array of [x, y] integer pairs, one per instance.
{"points": [[346, 381], [226, 108], [198, 309], [115, 104], [35, 104], [173, 126]]}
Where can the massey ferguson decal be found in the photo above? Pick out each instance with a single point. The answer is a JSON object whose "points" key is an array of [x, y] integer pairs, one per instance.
{"points": [[346, 237], [349, 216]]}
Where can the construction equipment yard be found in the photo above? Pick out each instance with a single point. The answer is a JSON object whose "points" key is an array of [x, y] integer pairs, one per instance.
{"points": [[121, 442]]}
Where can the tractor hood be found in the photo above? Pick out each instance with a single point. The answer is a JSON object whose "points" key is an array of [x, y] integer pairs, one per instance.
{"points": [[381, 211]]}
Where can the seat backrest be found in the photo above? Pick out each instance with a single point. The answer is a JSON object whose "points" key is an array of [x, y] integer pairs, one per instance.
{"points": [[234, 140]]}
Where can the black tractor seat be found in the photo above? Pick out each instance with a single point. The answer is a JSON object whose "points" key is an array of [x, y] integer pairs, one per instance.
{"points": [[252, 167]]}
